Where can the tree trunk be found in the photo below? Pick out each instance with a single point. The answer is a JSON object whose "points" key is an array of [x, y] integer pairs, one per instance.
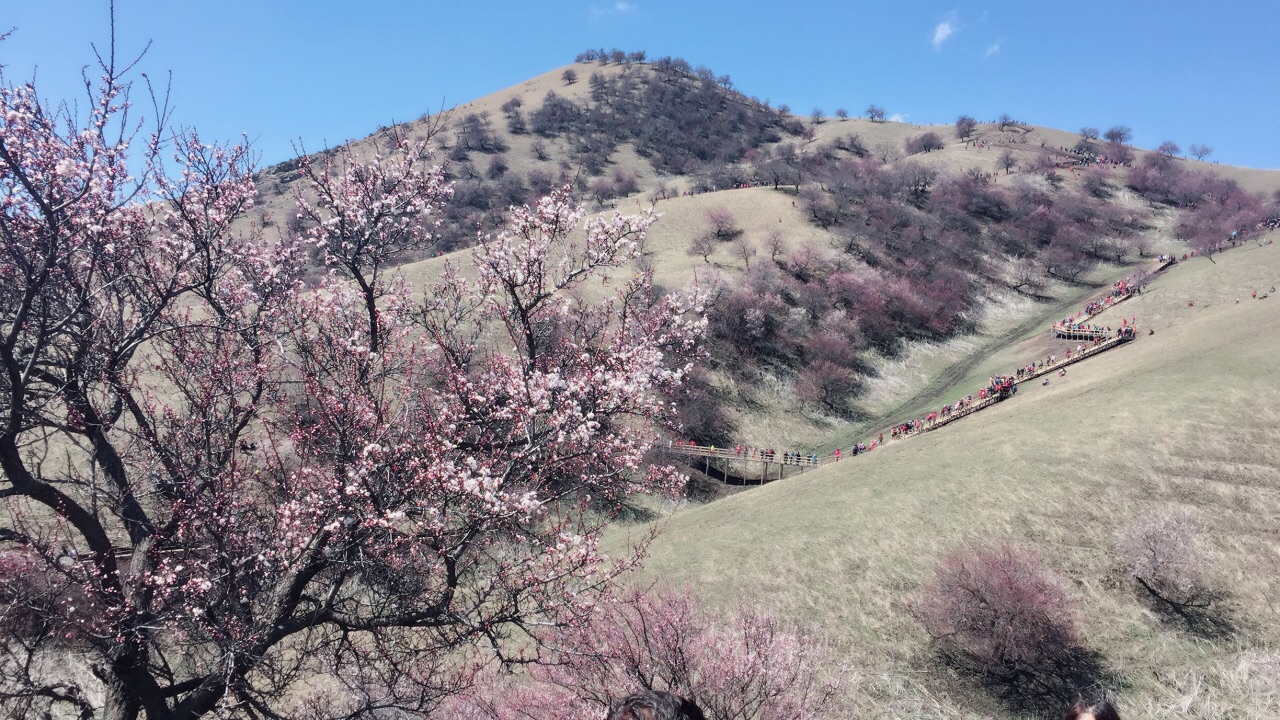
{"points": [[120, 704]]}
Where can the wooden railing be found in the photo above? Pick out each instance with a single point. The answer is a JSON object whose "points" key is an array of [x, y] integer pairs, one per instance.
{"points": [[805, 461]]}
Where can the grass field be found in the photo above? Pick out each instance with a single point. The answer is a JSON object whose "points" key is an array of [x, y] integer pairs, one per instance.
{"points": [[1188, 417]]}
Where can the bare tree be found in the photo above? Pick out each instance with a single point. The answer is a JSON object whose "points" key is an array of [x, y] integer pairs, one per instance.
{"points": [[1118, 134], [1089, 133], [1169, 148], [817, 116], [703, 246], [924, 143], [965, 125], [1027, 277], [744, 250], [775, 243], [1007, 161], [1119, 152], [724, 226], [1200, 152], [1006, 120], [842, 113], [569, 76], [602, 191], [887, 152], [512, 105], [875, 113], [1161, 551]]}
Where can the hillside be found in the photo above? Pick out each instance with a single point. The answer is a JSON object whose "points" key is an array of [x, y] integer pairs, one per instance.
{"points": [[610, 135], [561, 162], [1059, 469], [247, 471], [1183, 418]]}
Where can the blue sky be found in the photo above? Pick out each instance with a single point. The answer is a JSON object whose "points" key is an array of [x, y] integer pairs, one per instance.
{"points": [[325, 72]]}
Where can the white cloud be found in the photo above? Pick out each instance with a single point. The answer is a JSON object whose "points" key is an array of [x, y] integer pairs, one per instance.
{"points": [[993, 48], [622, 7], [943, 31], [898, 117]]}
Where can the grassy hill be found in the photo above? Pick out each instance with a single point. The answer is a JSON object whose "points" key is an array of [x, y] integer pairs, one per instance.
{"points": [[1184, 418]]}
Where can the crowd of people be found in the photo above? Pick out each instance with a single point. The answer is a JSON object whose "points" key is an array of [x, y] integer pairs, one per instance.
{"points": [[998, 387], [785, 457], [1088, 157]]}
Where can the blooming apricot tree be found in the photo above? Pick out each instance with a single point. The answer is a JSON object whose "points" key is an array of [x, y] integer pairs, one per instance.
{"points": [[225, 492]]}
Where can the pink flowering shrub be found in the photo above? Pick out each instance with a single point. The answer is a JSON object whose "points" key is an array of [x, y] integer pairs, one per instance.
{"points": [[999, 606], [743, 665]]}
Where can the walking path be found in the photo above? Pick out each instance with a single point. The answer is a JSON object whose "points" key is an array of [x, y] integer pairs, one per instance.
{"points": [[906, 430], [1002, 387]]}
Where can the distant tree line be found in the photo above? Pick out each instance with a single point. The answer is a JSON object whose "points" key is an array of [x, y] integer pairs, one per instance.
{"points": [[684, 120]]}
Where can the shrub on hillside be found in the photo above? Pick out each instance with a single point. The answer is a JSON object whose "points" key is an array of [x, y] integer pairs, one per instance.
{"points": [[741, 664], [724, 225], [1161, 551], [1000, 607], [924, 142]]}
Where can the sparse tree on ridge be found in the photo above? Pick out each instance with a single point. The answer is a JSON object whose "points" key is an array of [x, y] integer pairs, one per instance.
{"points": [[965, 125], [816, 116], [875, 113], [842, 113], [569, 76], [1118, 134], [1089, 133], [258, 481], [1200, 152], [1169, 148], [1119, 152], [1006, 120]]}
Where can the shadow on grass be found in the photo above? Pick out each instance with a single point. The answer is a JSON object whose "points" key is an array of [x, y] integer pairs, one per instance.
{"points": [[1046, 689], [1206, 617], [631, 512]]}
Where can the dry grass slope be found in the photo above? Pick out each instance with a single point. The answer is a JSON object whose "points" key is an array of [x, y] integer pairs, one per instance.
{"points": [[1186, 418]]}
